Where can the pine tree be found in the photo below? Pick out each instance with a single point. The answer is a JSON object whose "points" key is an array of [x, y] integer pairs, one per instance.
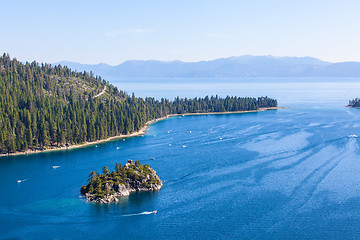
{"points": [[105, 170]]}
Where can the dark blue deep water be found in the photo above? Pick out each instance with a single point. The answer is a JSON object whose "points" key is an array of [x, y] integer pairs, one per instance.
{"points": [[284, 174]]}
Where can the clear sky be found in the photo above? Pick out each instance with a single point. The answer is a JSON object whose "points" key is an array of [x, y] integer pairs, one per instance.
{"points": [[111, 32]]}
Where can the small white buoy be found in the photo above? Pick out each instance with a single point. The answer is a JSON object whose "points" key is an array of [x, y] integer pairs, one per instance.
{"points": [[170, 145]]}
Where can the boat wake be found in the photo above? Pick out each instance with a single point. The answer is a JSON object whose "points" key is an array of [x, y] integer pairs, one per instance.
{"points": [[139, 214]]}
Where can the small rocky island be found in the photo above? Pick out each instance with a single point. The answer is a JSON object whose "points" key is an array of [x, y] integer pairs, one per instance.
{"points": [[132, 177]]}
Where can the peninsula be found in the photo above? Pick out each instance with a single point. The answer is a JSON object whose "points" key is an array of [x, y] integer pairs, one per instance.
{"points": [[108, 186], [45, 108]]}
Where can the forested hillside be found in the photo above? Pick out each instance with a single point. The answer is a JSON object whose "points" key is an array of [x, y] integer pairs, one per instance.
{"points": [[44, 106]]}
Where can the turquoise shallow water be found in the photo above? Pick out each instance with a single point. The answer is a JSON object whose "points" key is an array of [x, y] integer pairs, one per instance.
{"points": [[284, 174]]}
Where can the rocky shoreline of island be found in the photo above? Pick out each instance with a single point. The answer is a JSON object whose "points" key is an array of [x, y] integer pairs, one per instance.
{"points": [[107, 187]]}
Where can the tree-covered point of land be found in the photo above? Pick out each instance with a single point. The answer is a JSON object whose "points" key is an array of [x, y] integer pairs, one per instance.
{"points": [[44, 106], [354, 103]]}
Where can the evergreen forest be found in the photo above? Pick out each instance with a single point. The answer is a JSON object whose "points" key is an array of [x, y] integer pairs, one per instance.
{"points": [[354, 103], [132, 175], [44, 106]]}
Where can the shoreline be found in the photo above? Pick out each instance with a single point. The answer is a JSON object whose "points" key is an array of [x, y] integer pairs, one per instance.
{"points": [[141, 132]]}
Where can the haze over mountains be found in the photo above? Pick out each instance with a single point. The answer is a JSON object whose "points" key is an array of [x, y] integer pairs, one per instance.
{"points": [[243, 66]]}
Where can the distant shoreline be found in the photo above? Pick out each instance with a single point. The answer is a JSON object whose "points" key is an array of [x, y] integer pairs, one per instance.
{"points": [[141, 132]]}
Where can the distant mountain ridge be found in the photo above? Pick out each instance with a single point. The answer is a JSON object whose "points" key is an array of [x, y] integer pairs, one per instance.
{"points": [[243, 66]]}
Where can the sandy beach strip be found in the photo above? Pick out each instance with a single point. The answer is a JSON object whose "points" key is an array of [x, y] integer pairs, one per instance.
{"points": [[141, 132]]}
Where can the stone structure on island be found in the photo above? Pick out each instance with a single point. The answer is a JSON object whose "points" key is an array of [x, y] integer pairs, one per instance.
{"points": [[109, 186]]}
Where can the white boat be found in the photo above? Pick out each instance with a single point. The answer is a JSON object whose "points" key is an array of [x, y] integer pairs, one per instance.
{"points": [[352, 136], [54, 167], [184, 146]]}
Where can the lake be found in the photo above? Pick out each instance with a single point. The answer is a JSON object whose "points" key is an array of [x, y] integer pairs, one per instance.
{"points": [[283, 174], [307, 92]]}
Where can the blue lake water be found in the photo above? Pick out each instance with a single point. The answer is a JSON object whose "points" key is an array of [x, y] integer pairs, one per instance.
{"points": [[285, 174], [317, 92]]}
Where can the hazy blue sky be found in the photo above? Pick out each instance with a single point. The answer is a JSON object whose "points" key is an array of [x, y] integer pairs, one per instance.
{"points": [[114, 31]]}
